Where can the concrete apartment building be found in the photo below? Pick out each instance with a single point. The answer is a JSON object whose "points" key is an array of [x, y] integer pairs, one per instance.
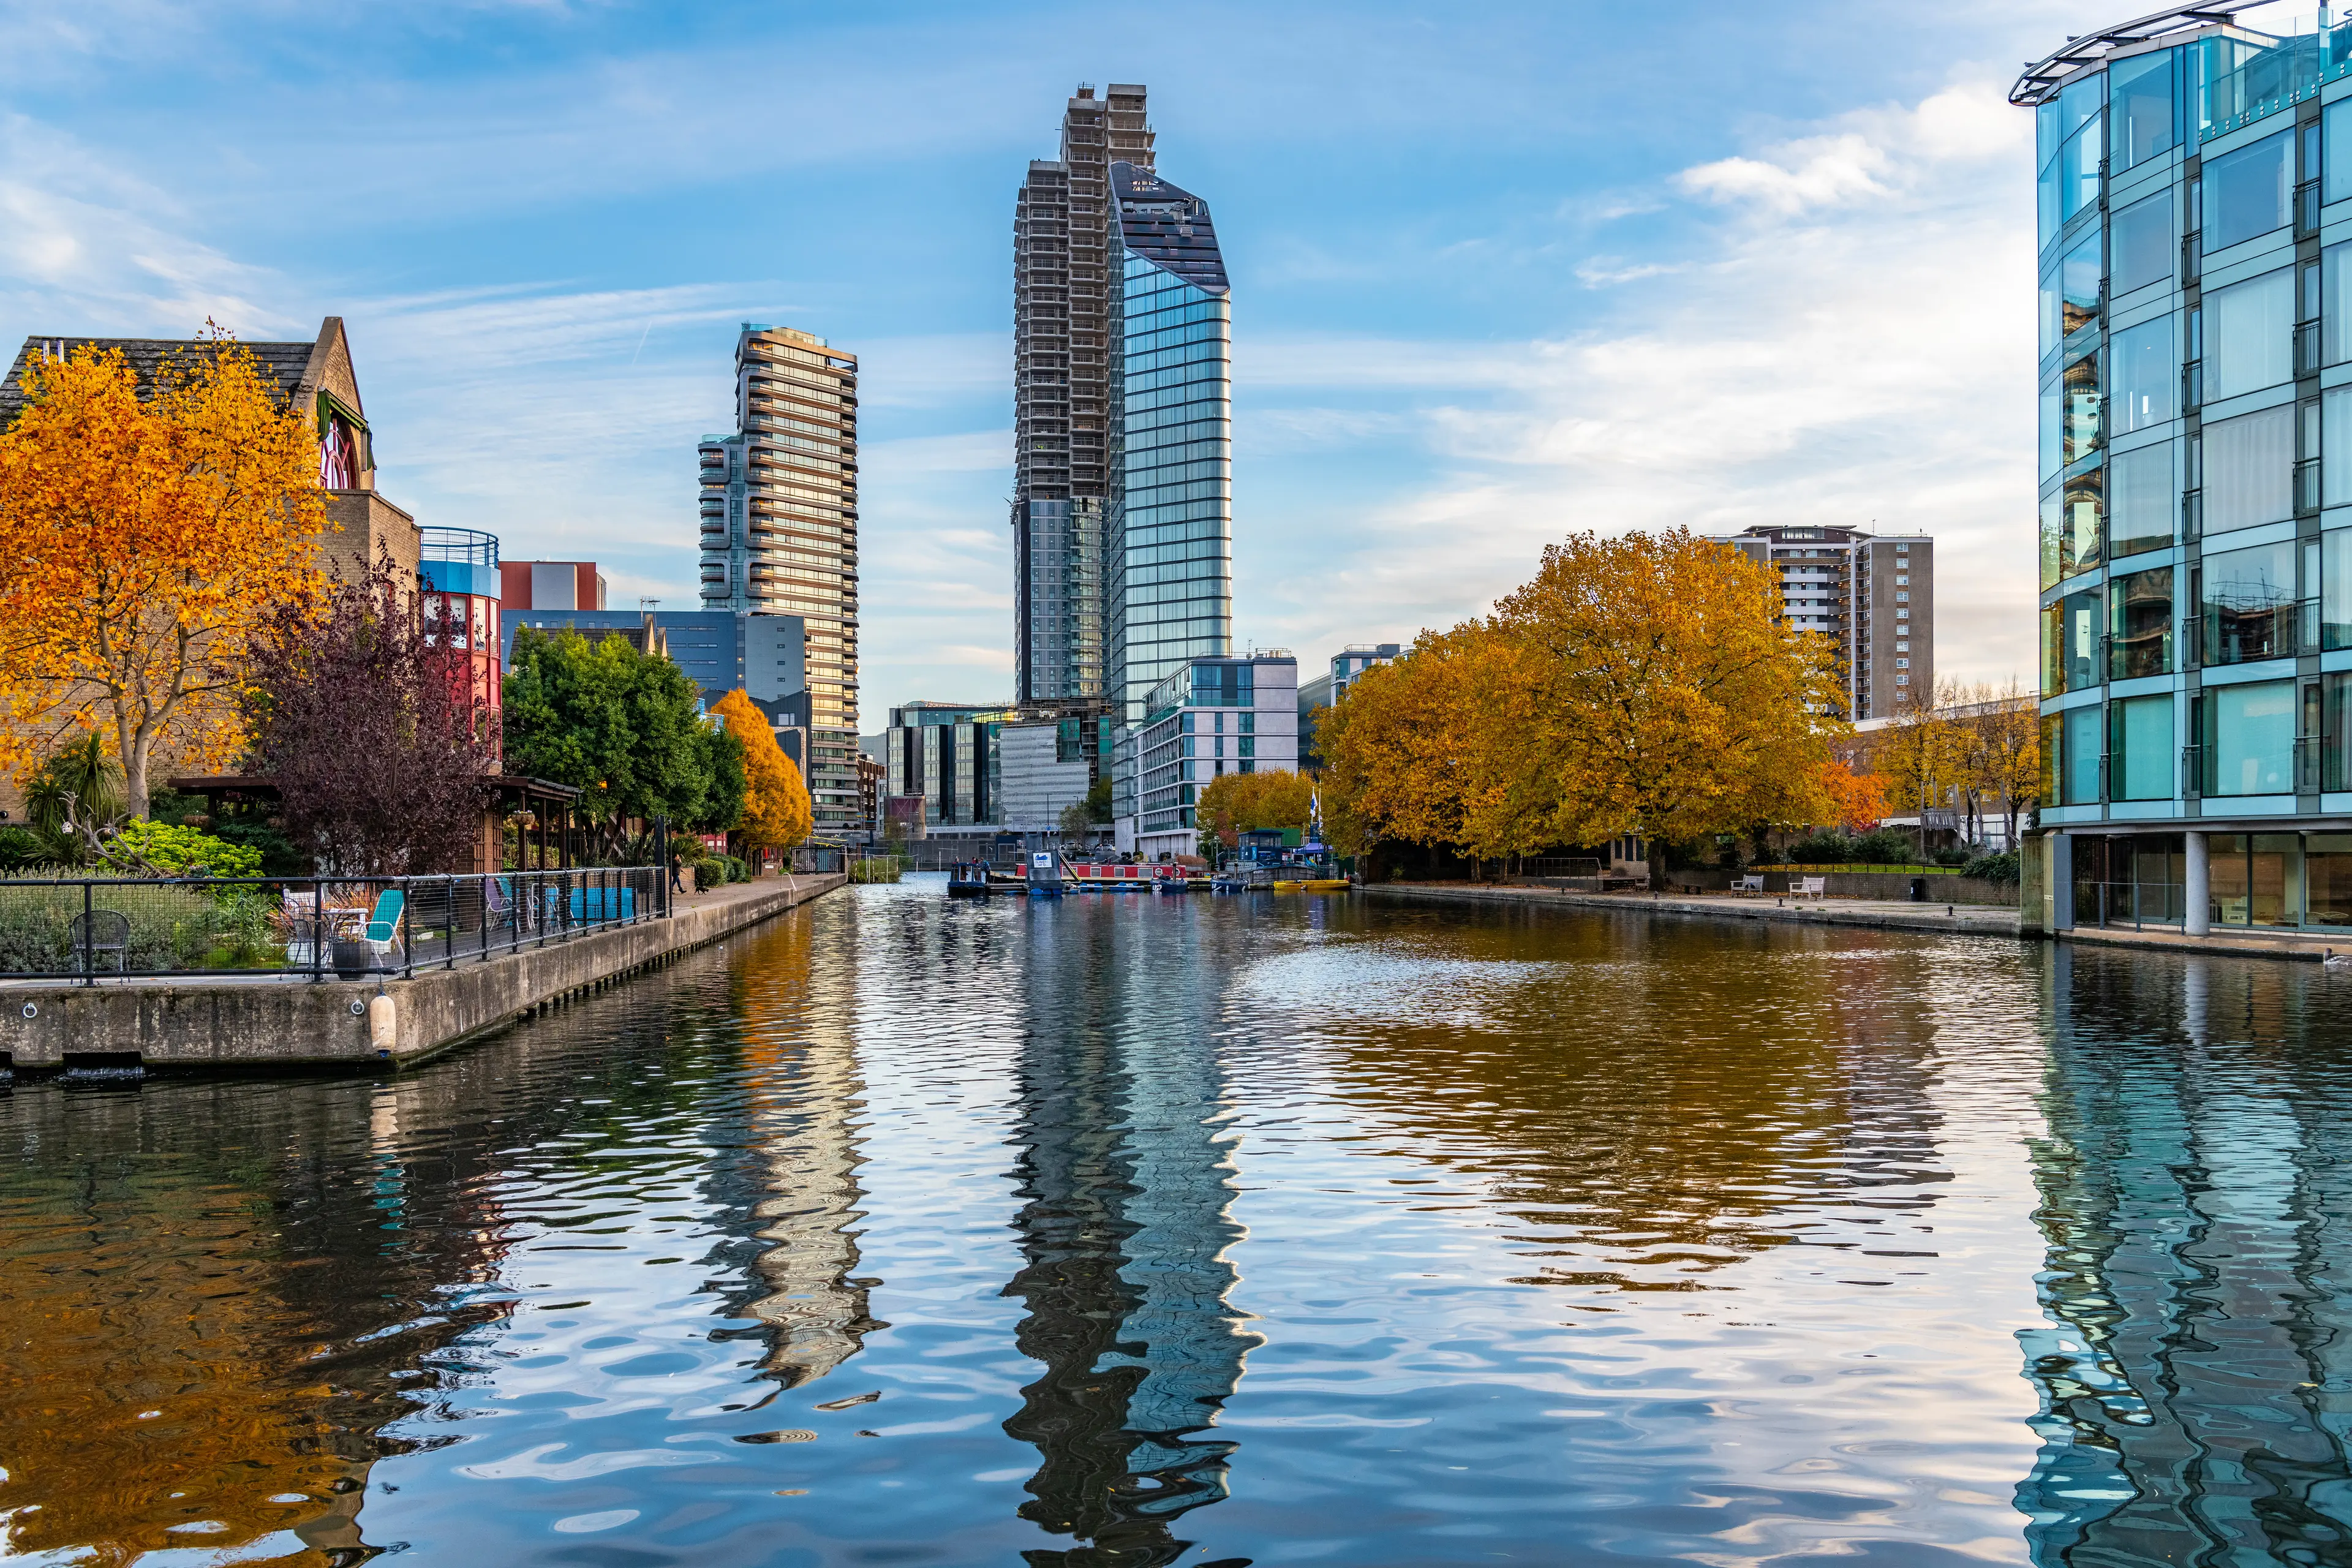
{"points": [[779, 504], [1064, 254], [2195, 231], [1874, 596]]}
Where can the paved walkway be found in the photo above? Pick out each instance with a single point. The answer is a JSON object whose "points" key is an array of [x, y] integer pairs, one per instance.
{"points": [[1887, 914]]}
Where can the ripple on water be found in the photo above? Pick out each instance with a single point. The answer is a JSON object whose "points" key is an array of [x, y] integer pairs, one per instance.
{"points": [[1139, 1230]]}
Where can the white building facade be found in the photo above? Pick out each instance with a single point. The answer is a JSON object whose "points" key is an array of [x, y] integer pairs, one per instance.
{"points": [[1225, 713]]}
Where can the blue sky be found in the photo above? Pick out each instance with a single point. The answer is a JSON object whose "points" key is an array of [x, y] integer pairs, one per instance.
{"points": [[1501, 270]]}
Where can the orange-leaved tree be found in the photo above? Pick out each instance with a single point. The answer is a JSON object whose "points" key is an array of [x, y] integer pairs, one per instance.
{"points": [[1232, 804], [144, 544], [1670, 699], [776, 811], [1857, 800]]}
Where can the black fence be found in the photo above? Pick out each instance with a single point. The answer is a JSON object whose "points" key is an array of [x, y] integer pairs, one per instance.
{"points": [[309, 928]]}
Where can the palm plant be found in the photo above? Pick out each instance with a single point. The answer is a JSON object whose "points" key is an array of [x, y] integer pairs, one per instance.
{"points": [[74, 795]]}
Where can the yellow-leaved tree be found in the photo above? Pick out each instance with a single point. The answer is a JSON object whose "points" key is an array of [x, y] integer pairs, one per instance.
{"points": [[1232, 804], [776, 811], [1671, 701], [144, 544], [1640, 685]]}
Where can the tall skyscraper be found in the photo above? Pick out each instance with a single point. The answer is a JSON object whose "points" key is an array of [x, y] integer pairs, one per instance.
{"points": [[1875, 597], [780, 531], [1168, 529], [1063, 270]]}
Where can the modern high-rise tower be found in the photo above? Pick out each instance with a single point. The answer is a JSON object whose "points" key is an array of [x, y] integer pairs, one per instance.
{"points": [[780, 531], [1064, 268], [1168, 544]]}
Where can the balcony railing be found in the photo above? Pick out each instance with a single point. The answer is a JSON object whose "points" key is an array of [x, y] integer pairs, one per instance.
{"points": [[2306, 209], [2306, 347], [2249, 636], [2192, 515], [2310, 755], [2192, 256], [2307, 485], [2193, 773], [2193, 386]]}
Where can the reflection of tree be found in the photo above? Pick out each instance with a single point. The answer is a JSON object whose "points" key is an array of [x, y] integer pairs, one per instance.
{"points": [[281, 1267], [1650, 1121], [1124, 1233], [2194, 1197]]}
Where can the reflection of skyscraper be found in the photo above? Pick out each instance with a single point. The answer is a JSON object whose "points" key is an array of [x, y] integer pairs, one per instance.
{"points": [[2195, 1202], [803, 1125], [1124, 1235]]}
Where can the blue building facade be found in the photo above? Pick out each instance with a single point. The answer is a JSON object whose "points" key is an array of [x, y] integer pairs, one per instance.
{"points": [[2195, 234]]}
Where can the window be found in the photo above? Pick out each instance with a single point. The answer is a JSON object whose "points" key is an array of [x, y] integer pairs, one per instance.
{"points": [[2070, 292], [2140, 503], [1902, 582], [2143, 375], [1903, 648], [2250, 335], [2083, 745], [2335, 589], [2143, 249], [2139, 626], [2247, 190], [2250, 471], [2335, 134], [2250, 879], [1901, 664], [2141, 753], [2070, 644], [2247, 607], [2327, 872], [2140, 109], [2250, 738]]}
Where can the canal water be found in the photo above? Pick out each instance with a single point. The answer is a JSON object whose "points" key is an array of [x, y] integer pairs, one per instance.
{"points": [[1134, 1231]]}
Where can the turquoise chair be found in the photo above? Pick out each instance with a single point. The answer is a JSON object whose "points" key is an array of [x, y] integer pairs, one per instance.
{"points": [[384, 921]]}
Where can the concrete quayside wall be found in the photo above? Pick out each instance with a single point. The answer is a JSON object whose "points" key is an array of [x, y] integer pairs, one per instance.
{"points": [[276, 1022]]}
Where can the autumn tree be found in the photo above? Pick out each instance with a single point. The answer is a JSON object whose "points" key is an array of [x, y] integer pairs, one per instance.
{"points": [[1400, 750], [1857, 801], [1234, 803], [144, 544], [776, 808], [377, 745], [1669, 699]]}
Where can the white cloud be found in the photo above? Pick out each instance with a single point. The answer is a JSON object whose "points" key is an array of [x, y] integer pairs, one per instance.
{"points": [[1849, 343]]}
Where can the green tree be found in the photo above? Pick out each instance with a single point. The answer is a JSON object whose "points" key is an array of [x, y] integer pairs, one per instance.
{"points": [[624, 727]]}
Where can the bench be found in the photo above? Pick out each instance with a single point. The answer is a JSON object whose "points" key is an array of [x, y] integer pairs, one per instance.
{"points": [[1808, 887], [1754, 884]]}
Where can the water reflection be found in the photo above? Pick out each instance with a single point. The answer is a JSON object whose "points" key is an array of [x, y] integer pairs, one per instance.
{"points": [[2196, 1374], [1125, 1185]]}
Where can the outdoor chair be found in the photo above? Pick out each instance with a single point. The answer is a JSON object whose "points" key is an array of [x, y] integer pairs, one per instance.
{"points": [[382, 934], [1808, 887], [98, 933]]}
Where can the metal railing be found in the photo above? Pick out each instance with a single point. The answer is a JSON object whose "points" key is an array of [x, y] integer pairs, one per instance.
{"points": [[2307, 485], [307, 927], [2193, 773], [2192, 515], [2193, 386], [2192, 256], [2306, 347]]}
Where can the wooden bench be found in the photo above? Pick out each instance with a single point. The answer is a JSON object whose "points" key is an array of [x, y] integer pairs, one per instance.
{"points": [[1754, 884], [1808, 887]]}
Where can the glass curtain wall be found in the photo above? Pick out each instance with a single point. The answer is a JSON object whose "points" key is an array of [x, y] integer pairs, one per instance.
{"points": [[1169, 590]]}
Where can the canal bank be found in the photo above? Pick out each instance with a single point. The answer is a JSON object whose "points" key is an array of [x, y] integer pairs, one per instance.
{"points": [[281, 1022], [1884, 915]]}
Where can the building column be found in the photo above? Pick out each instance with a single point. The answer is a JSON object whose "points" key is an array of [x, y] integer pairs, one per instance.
{"points": [[2197, 894], [2062, 881]]}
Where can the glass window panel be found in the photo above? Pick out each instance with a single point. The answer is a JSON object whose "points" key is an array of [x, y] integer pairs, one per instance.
{"points": [[2250, 736], [2335, 445], [2327, 877], [2078, 171], [2140, 502], [2079, 394], [2052, 750], [2250, 335], [2139, 108], [2140, 625], [2335, 304], [2247, 190], [2079, 103], [2144, 249], [2144, 378], [2250, 471], [2083, 745], [2270, 865], [2143, 754], [2070, 644], [2045, 132], [2045, 204], [2051, 429], [2336, 727], [2248, 604], [2334, 588], [2337, 160]]}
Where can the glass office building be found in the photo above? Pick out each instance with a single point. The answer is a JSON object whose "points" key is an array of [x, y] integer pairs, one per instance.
{"points": [[2195, 231], [1168, 588]]}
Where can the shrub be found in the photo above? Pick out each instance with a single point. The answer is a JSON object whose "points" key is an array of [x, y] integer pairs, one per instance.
{"points": [[1953, 857], [171, 928], [187, 851], [1884, 846], [20, 848], [1992, 867], [1823, 849]]}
